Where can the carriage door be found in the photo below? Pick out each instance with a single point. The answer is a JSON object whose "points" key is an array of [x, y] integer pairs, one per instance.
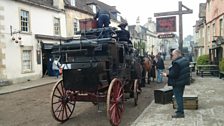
{"points": [[121, 54]]}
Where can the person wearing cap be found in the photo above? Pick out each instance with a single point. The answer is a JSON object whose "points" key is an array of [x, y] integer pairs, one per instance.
{"points": [[124, 35], [103, 17]]}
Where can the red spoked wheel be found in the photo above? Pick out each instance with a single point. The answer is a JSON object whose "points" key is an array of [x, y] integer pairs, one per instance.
{"points": [[115, 102], [136, 91], [62, 106]]}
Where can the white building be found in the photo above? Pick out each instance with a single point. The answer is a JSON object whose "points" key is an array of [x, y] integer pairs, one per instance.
{"points": [[21, 22], [29, 28], [152, 39]]}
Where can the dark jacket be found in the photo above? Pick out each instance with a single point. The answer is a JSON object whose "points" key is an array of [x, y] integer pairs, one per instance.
{"points": [[102, 12], [179, 72], [160, 64]]}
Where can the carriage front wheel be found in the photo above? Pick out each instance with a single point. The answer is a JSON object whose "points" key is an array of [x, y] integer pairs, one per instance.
{"points": [[115, 102], [62, 106]]}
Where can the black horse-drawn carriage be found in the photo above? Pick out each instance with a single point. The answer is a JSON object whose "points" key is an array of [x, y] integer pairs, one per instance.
{"points": [[95, 69]]}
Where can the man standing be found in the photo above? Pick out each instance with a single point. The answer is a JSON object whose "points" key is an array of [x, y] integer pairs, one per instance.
{"points": [[178, 77], [103, 18], [160, 67]]}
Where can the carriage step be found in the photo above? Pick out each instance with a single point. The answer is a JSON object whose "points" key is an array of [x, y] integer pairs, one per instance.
{"points": [[104, 82]]}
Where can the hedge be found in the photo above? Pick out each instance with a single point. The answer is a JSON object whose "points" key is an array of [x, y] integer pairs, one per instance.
{"points": [[203, 60], [221, 65]]}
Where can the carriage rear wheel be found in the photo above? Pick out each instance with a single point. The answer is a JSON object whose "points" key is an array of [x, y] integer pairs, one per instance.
{"points": [[62, 106], [136, 91], [115, 102]]}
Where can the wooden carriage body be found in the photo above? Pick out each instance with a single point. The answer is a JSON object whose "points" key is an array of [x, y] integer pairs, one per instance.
{"points": [[90, 64], [95, 70]]}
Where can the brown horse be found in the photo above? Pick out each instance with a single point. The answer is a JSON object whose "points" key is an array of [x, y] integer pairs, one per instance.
{"points": [[147, 66]]}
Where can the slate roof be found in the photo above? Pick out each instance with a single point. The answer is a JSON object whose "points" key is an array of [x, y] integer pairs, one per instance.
{"points": [[81, 5], [48, 3]]}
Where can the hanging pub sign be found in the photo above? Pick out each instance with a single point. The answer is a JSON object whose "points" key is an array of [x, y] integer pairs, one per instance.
{"points": [[170, 35], [166, 24]]}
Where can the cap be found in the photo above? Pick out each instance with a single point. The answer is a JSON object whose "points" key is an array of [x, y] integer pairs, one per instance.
{"points": [[123, 24]]}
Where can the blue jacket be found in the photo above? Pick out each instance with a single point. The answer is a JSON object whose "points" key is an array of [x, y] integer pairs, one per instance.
{"points": [[179, 72]]}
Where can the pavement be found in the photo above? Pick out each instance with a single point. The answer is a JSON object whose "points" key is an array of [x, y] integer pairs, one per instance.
{"points": [[27, 85], [210, 112]]}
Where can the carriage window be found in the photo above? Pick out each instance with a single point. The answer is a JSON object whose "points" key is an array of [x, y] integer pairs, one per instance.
{"points": [[121, 55]]}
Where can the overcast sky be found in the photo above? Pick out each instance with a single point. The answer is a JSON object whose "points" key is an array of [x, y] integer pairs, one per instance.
{"points": [[131, 9]]}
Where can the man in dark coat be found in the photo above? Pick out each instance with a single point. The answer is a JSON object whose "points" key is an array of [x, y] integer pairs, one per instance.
{"points": [[160, 68], [178, 77], [103, 18], [124, 35]]}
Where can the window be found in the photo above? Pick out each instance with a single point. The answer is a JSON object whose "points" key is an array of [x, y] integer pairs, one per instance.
{"points": [[76, 25], [72, 2], [118, 17], [24, 20], [26, 61], [208, 34], [208, 6], [221, 27], [213, 29], [93, 7], [57, 30]]}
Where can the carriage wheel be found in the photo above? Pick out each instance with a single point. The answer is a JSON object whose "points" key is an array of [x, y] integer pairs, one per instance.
{"points": [[62, 106], [135, 91], [115, 100]]}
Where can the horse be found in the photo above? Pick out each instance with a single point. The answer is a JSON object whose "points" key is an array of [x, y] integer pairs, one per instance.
{"points": [[147, 63]]}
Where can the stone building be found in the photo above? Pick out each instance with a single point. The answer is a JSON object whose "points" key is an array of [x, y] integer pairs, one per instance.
{"points": [[29, 28], [211, 27]]}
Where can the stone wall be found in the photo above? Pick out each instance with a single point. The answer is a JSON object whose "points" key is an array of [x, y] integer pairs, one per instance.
{"points": [[2, 47]]}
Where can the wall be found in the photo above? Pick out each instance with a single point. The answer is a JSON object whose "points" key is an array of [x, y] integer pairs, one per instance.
{"points": [[41, 22], [2, 46], [213, 14]]}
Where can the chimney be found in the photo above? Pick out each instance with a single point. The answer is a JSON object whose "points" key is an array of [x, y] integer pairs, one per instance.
{"points": [[149, 20], [138, 20], [58, 4]]}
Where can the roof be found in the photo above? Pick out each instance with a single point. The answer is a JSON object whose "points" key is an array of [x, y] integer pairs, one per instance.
{"points": [[42, 2], [83, 5]]}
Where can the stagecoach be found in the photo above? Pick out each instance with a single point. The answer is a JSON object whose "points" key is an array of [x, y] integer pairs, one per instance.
{"points": [[96, 68]]}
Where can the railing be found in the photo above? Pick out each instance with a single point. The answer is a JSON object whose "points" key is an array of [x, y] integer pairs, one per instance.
{"points": [[207, 69]]}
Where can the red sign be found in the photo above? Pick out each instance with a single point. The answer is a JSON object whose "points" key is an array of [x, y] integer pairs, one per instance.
{"points": [[166, 24]]}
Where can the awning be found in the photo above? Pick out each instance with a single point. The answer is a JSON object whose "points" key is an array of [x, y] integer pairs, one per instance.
{"points": [[215, 47], [47, 46]]}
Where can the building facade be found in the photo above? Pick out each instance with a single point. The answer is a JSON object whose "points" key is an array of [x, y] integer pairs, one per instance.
{"points": [[210, 30], [152, 39], [21, 56], [29, 29]]}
